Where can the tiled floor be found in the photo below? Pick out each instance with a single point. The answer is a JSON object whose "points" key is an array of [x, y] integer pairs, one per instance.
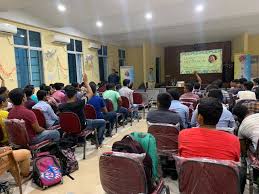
{"points": [[87, 177]]}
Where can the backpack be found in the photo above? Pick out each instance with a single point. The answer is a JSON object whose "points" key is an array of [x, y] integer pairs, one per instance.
{"points": [[46, 170], [129, 145]]}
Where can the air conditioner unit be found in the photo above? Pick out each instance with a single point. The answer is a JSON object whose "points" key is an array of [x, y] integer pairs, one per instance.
{"points": [[60, 39], [8, 29], [93, 45]]}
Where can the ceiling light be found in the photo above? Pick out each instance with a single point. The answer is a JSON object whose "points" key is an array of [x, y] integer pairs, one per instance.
{"points": [[199, 8], [62, 8], [99, 24], [149, 16]]}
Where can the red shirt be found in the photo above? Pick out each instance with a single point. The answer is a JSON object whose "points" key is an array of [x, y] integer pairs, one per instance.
{"points": [[22, 113], [208, 143]]}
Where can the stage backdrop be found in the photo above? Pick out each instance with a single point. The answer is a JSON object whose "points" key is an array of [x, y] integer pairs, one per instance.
{"points": [[172, 60], [127, 72]]}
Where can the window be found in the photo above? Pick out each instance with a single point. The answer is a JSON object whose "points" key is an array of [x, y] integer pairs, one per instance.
{"points": [[28, 57], [103, 67], [122, 57], [75, 60]]}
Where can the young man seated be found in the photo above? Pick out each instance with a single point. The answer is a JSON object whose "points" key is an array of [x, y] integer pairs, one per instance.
{"points": [[50, 117], [29, 102], [162, 114], [206, 141], [188, 96], [59, 96], [101, 111], [77, 107], [36, 133], [247, 94]]}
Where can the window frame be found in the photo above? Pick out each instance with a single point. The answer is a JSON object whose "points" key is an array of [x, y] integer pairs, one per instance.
{"points": [[120, 51]]}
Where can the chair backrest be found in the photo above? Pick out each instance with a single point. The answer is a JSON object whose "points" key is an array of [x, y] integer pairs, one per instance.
{"points": [[70, 123], [18, 136], [40, 117], [121, 174], [166, 136], [90, 112], [125, 102], [202, 176], [109, 105], [137, 98]]}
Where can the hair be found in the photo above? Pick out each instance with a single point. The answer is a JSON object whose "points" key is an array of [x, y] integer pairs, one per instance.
{"points": [[216, 93], [110, 86], [241, 112], [174, 93], [93, 87], [236, 81], [41, 94], [213, 56], [188, 86], [70, 91], [211, 87], [58, 86], [218, 82], [3, 90], [30, 86], [196, 85], [256, 80], [242, 80], [210, 109], [75, 84], [2, 99], [164, 100], [16, 96], [126, 82], [47, 88], [28, 91], [43, 86], [249, 85], [257, 93]]}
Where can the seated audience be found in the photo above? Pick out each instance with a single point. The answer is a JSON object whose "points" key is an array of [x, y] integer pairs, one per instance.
{"points": [[249, 127], [59, 95], [226, 120], [33, 96], [234, 87], [242, 82], [36, 133], [101, 111], [4, 93], [163, 114], [219, 84], [178, 107], [3, 116], [128, 93], [206, 141], [188, 96], [77, 107], [79, 94], [256, 84], [247, 94], [29, 102], [50, 117], [115, 97], [52, 101], [252, 105]]}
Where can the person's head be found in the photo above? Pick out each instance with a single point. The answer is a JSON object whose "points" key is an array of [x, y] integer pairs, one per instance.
{"points": [[41, 95], [174, 93], [126, 82], [242, 82], [42, 86], [4, 91], [211, 87], [216, 93], [256, 81], [110, 86], [241, 112], [218, 82], [30, 87], [76, 85], [209, 111], [127, 73], [212, 58], [93, 87], [248, 85], [234, 83], [49, 90], [197, 86], [257, 93], [113, 71], [57, 86], [164, 101], [3, 102], [17, 96], [188, 87], [28, 92], [70, 92]]}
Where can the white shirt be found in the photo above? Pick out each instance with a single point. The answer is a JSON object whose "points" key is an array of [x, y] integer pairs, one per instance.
{"points": [[246, 95], [125, 91], [249, 129]]}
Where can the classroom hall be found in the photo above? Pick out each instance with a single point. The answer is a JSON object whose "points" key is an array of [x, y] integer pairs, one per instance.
{"points": [[129, 97]]}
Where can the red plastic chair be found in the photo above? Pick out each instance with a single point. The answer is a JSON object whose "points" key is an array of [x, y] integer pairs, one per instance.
{"points": [[122, 173], [18, 136], [126, 104], [42, 121], [203, 176], [138, 99], [70, 124]]}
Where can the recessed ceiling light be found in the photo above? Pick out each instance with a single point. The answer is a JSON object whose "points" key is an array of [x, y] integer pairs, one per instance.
{"points": [[199, 8], [62, 8], [149, 16], [99, 24]]}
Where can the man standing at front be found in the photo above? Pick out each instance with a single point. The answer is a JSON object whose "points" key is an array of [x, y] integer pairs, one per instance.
{"points": [[151, 79]]}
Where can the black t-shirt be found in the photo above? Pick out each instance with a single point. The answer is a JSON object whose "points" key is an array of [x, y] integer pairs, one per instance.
{"points": [[77, 108]]}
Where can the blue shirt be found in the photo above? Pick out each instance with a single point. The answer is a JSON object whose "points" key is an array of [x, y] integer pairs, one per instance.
{"points": [[182, 110], [48, 112], [226, 121], [98, 103]]}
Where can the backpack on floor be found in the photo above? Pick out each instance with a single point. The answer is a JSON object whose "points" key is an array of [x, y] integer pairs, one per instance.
{"points": [[129, 145], [46, 170]]}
